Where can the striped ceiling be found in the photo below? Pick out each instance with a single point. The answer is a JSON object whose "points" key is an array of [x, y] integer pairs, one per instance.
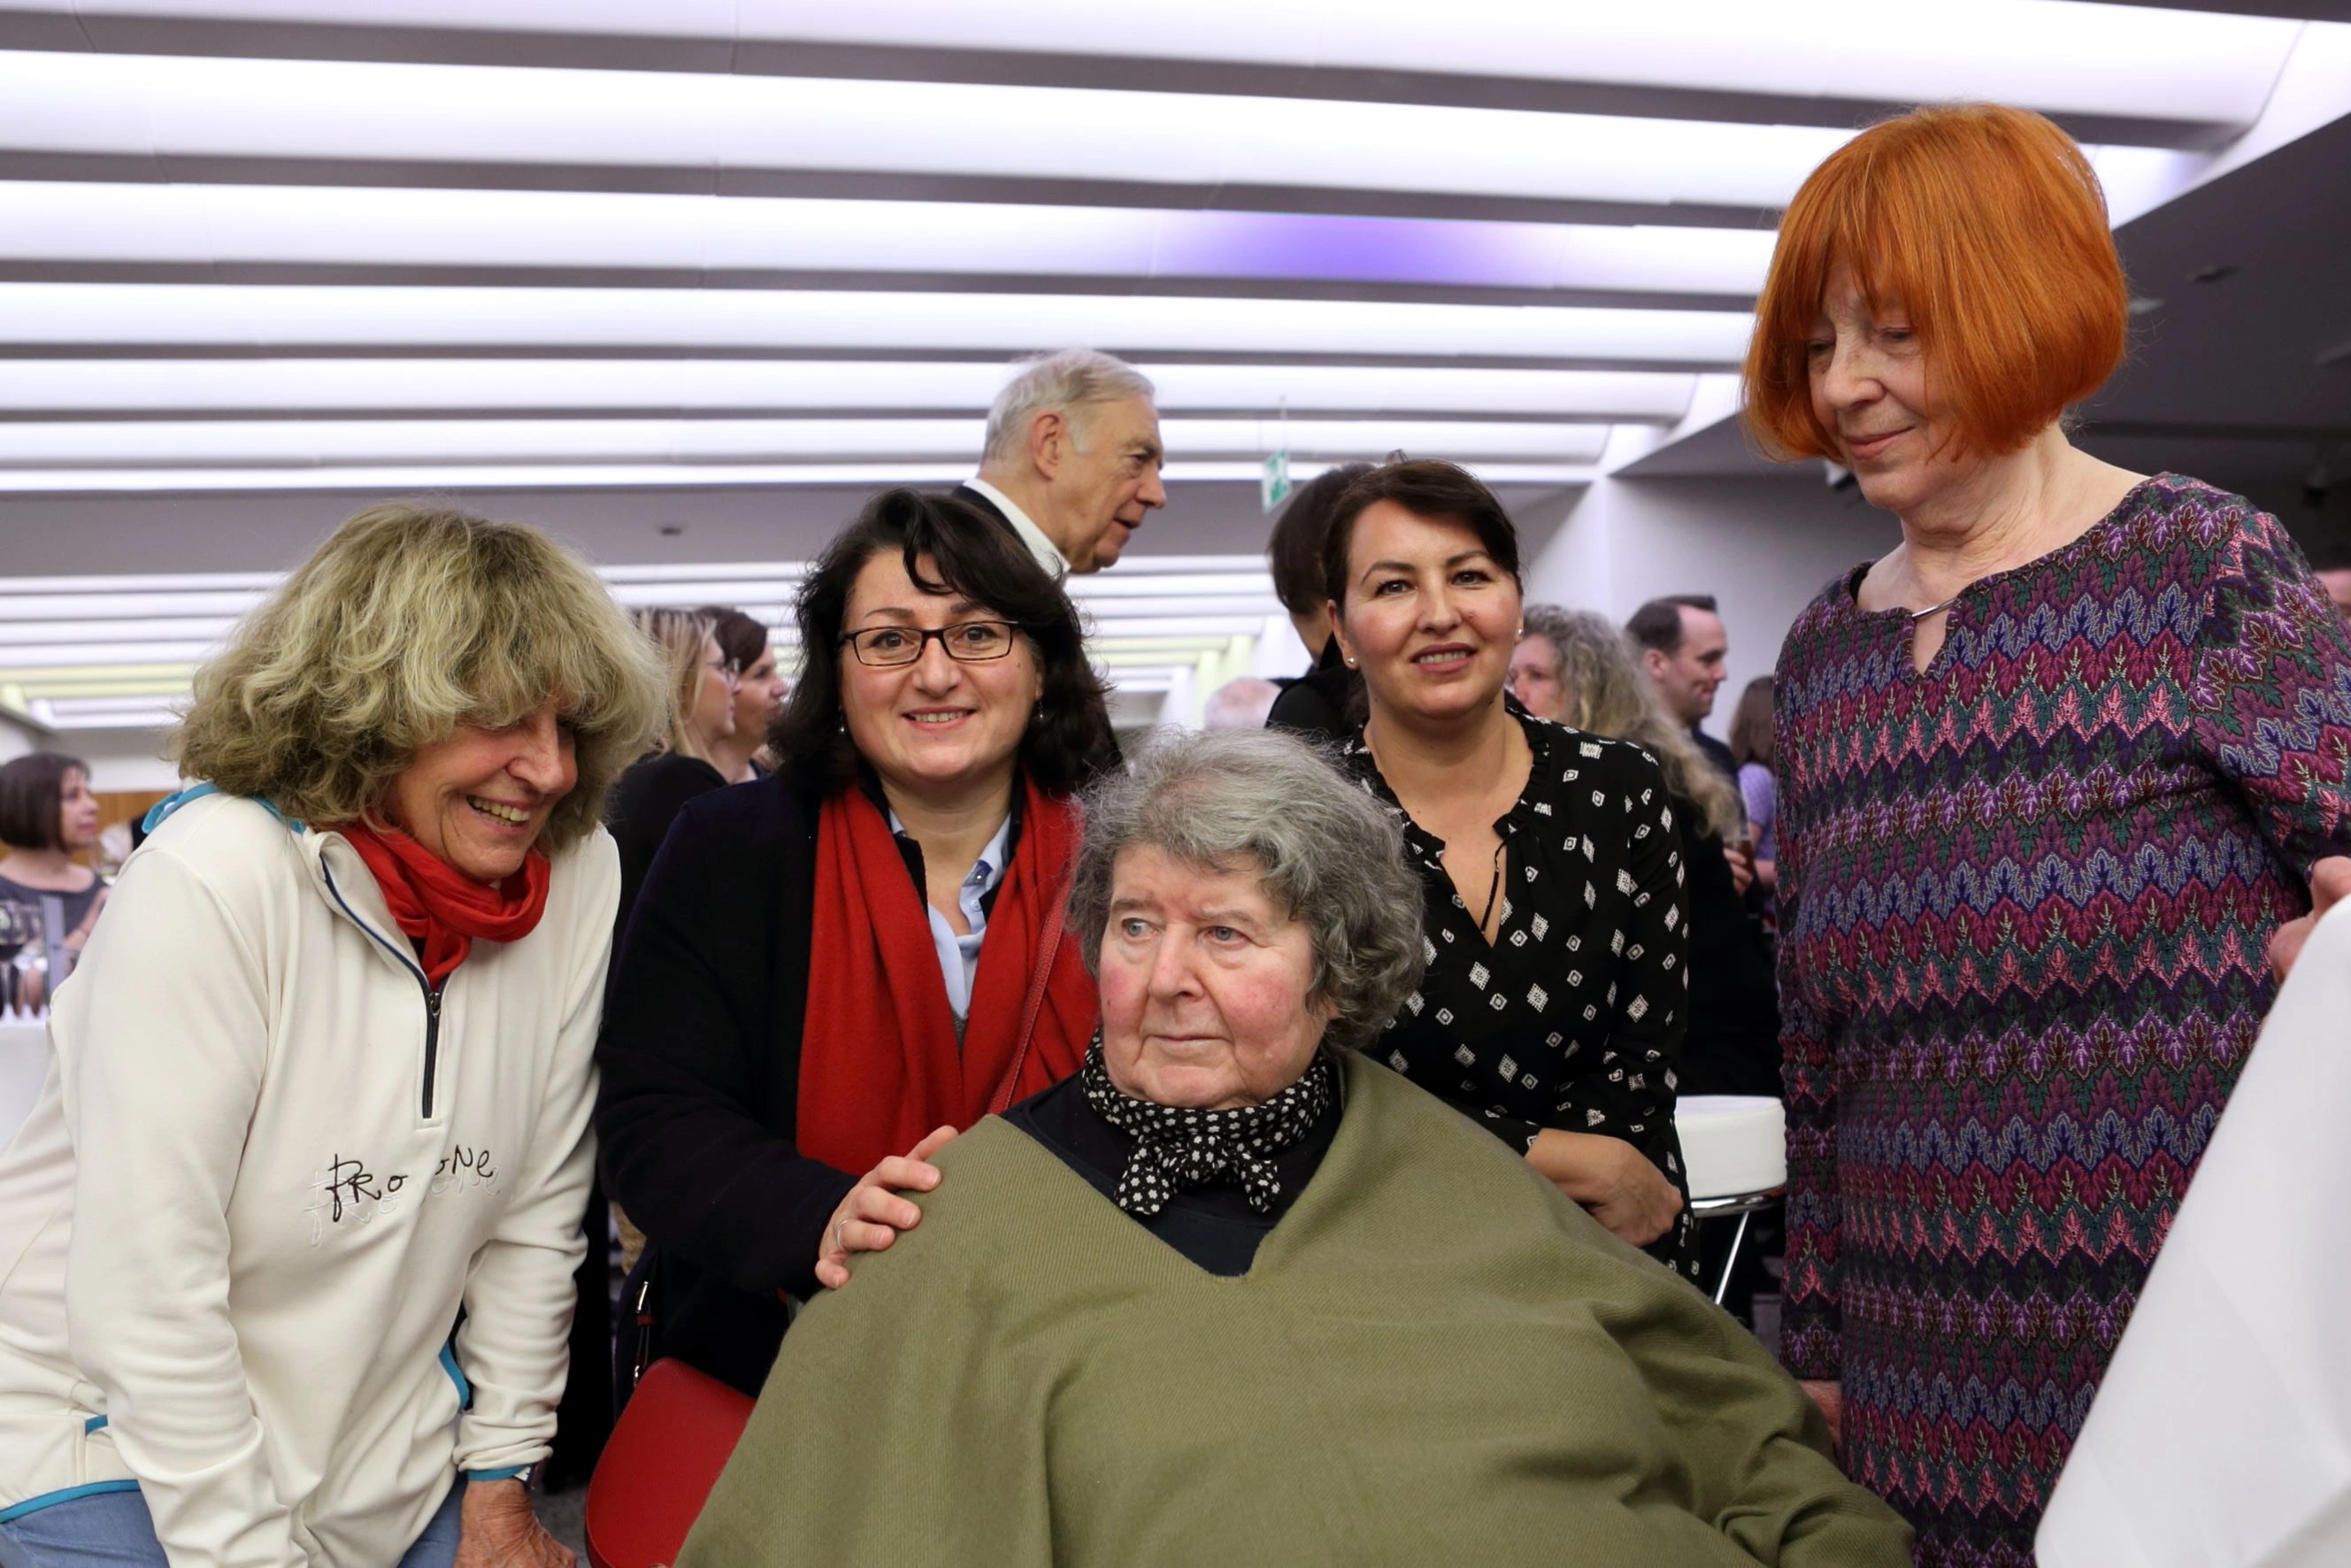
{"points": [[373, 246]]}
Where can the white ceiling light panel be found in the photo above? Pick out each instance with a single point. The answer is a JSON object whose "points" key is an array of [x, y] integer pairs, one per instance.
{"points": [[391, 385], [409, 480], [2117, 59], [2084, 58], [256, 316], [198, 106], [256, 443], [252, 225]]}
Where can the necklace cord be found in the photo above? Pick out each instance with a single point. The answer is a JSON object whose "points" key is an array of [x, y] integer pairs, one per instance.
{"points": [[1493, 889]]}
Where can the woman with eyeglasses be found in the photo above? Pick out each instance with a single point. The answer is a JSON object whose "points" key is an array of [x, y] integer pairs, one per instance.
{"points": [[835, 968]]}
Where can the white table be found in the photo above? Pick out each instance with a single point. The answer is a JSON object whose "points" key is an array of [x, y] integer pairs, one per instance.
{"points": [[23, 1064], [2223, 1433]]}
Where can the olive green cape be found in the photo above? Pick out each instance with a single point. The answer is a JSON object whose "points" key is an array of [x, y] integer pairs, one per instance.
{"points": [[1435, 1359]]}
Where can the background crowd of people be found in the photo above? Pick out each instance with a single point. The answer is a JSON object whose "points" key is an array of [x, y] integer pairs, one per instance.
{"points": [[948, 1071]]}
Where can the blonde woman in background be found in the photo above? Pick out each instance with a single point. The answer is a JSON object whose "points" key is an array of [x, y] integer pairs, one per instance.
{"points": [[680, 765], [759, 692], [1575, 667]]}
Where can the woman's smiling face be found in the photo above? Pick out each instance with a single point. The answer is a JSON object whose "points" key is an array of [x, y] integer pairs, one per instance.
{"points": [[479, 798], [1430, 618], [938, 722], [1870, 389]]}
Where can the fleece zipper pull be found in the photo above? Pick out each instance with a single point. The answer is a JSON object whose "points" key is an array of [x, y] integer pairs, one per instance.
{"points": [[432, 1043]]}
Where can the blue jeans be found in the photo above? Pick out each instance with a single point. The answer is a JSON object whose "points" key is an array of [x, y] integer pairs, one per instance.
{"points": [[110, 1530]]}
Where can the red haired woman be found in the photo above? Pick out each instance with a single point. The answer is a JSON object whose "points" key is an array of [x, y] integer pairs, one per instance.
{"points": [[2052, 773]]}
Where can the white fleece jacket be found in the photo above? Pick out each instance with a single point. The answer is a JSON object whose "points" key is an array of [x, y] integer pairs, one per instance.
{"points": [[263, 1178]]}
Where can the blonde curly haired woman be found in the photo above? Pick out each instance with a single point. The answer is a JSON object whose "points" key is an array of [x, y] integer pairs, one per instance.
{"points": [[323, 1083]]}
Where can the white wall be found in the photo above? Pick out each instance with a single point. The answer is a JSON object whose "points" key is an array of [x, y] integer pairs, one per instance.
{"points": [[117, 759], [1762, 547]]}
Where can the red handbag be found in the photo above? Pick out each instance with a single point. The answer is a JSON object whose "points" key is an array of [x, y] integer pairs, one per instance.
{"points": [[658, 1466]]}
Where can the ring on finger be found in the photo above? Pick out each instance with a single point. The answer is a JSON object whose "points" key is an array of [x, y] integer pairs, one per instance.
{"points": [[841, 1235]]}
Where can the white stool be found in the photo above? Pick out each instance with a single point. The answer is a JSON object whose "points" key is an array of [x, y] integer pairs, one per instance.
{"points": [[1735, 1152]]}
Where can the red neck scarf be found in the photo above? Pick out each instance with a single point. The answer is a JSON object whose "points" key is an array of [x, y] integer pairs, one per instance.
{"points": [[431, 899], [880, 1065]]}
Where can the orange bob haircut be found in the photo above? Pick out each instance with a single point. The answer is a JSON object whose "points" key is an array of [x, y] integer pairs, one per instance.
{"points": [[1987, 226]]}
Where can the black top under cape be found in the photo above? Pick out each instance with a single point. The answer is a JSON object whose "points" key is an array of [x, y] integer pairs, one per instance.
{"points": [[1213, 1226]]}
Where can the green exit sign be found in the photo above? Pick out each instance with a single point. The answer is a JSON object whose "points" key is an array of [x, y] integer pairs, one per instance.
{"points": [[1273, 485]]}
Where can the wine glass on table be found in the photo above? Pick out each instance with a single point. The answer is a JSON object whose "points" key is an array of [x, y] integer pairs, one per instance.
{"points": [[20, 926]]}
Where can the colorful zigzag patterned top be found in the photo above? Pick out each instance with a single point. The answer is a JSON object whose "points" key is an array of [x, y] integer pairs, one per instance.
{"points": [[2033, 887]]}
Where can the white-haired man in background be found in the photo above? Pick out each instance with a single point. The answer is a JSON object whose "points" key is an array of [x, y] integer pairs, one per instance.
{"points": [[1073, 456]]}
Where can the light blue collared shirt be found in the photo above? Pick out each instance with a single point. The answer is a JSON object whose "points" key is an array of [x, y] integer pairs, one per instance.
{"points": [[959, 954]]}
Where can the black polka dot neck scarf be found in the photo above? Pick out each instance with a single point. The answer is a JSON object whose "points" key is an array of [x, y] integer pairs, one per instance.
{"points": [[1175, 1149]]}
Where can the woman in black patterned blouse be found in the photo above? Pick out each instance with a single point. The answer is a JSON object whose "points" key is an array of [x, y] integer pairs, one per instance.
{"points": [[1553, 1006]]}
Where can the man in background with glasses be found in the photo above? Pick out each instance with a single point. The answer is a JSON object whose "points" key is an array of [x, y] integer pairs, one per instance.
{"points": [[1072, 458]]}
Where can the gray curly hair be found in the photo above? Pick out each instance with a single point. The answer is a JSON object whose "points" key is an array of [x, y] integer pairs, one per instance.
{"points": [[1602, 690], [1327, 853]]}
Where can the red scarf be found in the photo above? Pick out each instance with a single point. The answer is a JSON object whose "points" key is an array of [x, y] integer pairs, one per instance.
{"points": [[880, 1066], [430, 898]]}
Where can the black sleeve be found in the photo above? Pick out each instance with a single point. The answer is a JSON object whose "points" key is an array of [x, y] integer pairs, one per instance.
{"points": [[644, 803], [687, 1112], [1315, 706]]}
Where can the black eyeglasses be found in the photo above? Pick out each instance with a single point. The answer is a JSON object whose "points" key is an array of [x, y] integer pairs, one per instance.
{"points": [[970, 642]]}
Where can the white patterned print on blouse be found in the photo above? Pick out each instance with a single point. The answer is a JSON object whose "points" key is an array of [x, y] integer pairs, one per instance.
{"points": [[1571, 1017]]}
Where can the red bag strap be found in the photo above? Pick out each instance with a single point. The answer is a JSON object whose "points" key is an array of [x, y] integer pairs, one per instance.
{"points": [[1049, 950]]}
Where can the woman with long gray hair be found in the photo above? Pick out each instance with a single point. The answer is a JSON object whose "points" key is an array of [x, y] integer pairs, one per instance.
{"points": [[1238, 1293]]}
